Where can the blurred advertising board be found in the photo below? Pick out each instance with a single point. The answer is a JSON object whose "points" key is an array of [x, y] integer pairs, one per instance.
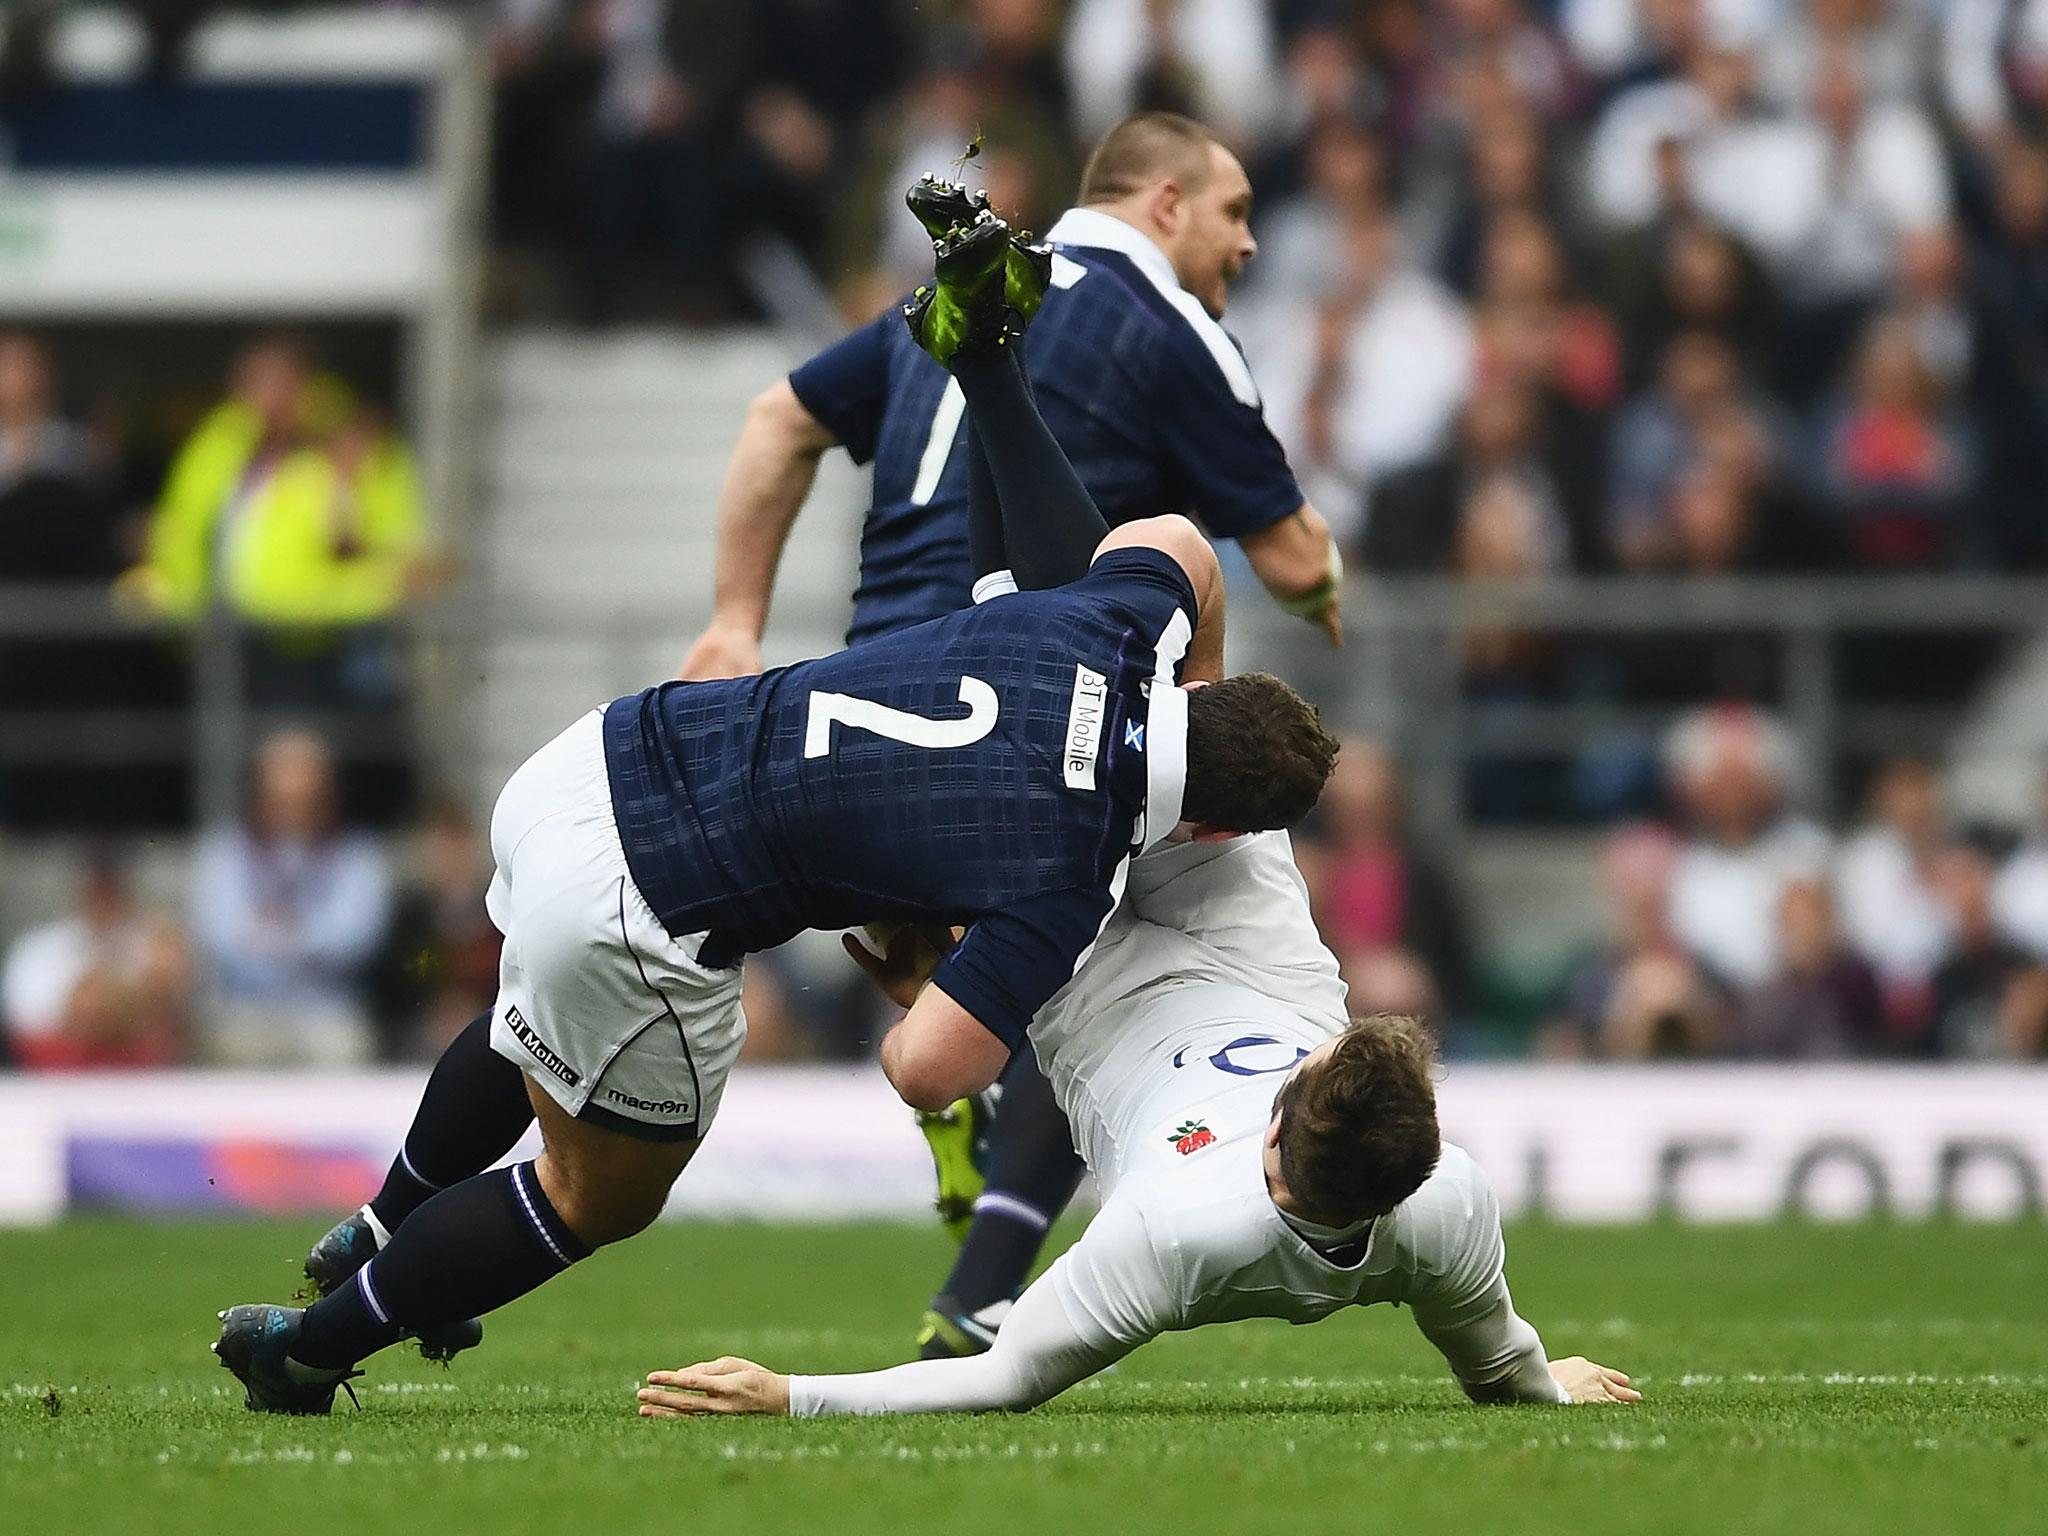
{"points": [[827, 1143]]}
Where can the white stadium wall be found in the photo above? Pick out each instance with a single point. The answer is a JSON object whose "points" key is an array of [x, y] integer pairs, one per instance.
{"points": [[823, 1143]]}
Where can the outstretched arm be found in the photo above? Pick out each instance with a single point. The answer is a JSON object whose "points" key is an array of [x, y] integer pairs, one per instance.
{"points": [[1100, 1300], [1496, 1356], [1464, 1309], [770, 474]]}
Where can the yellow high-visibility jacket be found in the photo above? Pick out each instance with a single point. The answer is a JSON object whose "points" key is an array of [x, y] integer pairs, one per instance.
{"points": [[279, 560]]}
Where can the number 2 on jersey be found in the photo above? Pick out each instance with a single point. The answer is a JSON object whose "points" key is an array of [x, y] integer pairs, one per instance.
{"points": [[828, 709]]}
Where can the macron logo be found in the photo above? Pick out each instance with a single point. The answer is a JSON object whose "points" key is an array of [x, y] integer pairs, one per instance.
{"points": [[1085, 719]]}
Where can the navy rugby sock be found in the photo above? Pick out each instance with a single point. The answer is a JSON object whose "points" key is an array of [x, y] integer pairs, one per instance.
{"points": [[1050, 523], [984, 516], [467, 1251], [1033, 1171], [473, 1111]]}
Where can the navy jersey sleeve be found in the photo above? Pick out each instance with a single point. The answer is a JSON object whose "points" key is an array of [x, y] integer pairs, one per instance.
{"points": [[1012, 961], [1225, 460], [846, 386]]}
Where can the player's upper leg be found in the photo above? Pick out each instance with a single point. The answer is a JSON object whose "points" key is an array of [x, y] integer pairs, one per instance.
{"points": [[625, 1039], [605, 1183]]}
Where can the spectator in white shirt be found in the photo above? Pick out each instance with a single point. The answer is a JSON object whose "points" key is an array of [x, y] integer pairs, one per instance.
{"points": [[1887, 38], [1834, 190], [1994, 66], [1612, 38], [1886, 887], [1215, 59], [1380, 386], [288, 910], [1679, 145], [1733, 770], [107, 985]]}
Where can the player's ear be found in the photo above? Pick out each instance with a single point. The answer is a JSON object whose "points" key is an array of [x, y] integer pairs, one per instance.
{"points": [[1168, 205]]}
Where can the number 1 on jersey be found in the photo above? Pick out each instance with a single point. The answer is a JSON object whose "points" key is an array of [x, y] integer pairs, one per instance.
{"points": [[828, 709]]}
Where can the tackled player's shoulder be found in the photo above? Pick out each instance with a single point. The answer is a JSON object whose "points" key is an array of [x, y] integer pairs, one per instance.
{"points": [[1453, 1212]]}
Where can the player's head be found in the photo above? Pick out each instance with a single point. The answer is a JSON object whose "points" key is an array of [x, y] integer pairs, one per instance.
{"points": [[1173, 179], [1354, 1128], [1257, 756]]}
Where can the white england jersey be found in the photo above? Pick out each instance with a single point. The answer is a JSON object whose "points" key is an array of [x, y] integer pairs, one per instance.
{"points": [[1166, 1051], [1209, 976]]}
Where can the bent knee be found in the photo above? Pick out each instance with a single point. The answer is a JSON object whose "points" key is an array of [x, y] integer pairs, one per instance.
{"points": [[605, 1205]]}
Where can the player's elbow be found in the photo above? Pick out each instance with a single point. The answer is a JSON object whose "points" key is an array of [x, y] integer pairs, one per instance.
{"points": [[778, 417], [926, 1078], [1181, 538], [923, 1088]]}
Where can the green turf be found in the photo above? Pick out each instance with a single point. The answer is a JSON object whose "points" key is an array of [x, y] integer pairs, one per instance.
{"points": [[1800, 1379]]}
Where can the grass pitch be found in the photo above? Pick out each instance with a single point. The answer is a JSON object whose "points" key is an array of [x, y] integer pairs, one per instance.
{"points": [[1799, 1379]]}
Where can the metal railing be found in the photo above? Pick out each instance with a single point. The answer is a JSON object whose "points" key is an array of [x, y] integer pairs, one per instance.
{"points": [[1400, 676]]}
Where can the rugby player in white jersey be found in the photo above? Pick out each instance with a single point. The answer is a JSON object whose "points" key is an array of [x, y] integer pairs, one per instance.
{"points": [[1259, 1155]]}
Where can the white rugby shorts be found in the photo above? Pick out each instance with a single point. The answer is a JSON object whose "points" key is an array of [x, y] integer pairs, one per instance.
{"points": [[597, 1002]]}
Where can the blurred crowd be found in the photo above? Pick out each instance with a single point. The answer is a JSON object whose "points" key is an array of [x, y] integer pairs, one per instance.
{"points": [[1735, 928], [297, 941], [1695, 286], [288, 501]]}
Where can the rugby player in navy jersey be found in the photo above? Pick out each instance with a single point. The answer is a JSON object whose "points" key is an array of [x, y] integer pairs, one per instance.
{"points": [[1153, 404], [995, 770]]}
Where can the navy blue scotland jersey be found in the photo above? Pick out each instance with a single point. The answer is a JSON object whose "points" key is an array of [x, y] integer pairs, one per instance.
{"points": [[1149, 397], [995, 768]]}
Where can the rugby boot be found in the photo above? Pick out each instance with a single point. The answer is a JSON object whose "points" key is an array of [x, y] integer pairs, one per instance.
{"points": [[958, 1137], [1027, 273], [963, 308], [944, 207], [950, 1331], [351, 1244], [255, 1343]]}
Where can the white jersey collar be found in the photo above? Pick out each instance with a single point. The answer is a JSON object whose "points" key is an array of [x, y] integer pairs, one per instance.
{"points": [[1090, 228], [1165, 735], [1107, 232], [1166, 759], [1316, 1232]]}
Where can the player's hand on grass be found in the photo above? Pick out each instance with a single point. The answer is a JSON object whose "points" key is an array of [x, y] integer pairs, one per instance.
{"points": [[1586, 1382], [723, 650], [902, 957], [725, 1385]]}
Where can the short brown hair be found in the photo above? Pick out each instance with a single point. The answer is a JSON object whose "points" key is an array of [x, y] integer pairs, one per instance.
{"points": [[1140, 150], [1257, 755], [1358, 1131]]}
